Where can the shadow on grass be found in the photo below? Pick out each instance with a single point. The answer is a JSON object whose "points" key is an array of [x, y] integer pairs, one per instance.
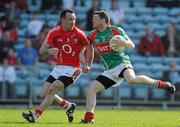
{"points": [[20, 122]]}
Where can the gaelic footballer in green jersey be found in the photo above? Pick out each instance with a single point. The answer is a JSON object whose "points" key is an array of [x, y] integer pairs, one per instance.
{"points": [[117, 64]]}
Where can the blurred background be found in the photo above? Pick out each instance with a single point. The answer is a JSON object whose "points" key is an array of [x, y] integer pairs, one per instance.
{"points": [[153, 25]]}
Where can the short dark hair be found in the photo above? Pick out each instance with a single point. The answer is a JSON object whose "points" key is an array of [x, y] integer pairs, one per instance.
{"points": [[63, 13], [103, 15]]}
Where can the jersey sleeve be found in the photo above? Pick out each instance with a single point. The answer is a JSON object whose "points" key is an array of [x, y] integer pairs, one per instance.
{"points": [[84, 39], [91, 36], [50, 38], [122, 32]]}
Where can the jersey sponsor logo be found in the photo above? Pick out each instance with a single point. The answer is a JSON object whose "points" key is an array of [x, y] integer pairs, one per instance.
{"points": [[73, 35], [59, 40], [97, 41], [68, 49], [103, 48]]}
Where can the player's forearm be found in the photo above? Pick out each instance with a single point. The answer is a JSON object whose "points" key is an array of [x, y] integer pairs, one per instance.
{"points": [[44, 50], [90, 55], [129, 44]]}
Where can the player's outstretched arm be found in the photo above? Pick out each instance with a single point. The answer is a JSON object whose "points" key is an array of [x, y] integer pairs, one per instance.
{"points": [[82, 57], [90, 56], [128, 43]]}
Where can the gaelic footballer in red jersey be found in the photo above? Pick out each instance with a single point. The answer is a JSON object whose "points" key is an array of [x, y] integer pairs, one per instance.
{"points": [[67, 44]]}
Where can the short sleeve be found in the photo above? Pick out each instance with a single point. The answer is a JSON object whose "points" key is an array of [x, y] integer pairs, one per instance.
{"points": [[84, 39], [49, 38], [91, 36], [123, 33]]}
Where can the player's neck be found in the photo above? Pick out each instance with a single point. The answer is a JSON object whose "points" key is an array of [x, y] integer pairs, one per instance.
{"points": [[66, 29], [103, 27]]}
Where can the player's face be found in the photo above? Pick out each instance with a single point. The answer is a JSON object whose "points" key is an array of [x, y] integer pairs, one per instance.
{"points": [[97, 22], [69, 21]]}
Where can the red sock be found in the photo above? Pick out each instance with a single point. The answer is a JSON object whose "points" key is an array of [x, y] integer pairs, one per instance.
{"points": [[38, 112], [161, 84], [64, 104], [89, 116]]}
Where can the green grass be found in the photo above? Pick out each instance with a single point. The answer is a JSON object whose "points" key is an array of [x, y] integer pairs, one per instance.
{"points": [[104, 118]]}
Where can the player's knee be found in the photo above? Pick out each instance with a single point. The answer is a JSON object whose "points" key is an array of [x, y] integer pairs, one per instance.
{"points": [[54, 88], [42, 95]]}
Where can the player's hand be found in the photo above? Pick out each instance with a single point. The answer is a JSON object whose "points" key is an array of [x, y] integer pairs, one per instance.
{"points": [[120, 42], [86, 69], [53, 52]]}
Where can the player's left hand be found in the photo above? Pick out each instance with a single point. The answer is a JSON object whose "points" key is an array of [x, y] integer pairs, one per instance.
{"points": [[86, 69]]}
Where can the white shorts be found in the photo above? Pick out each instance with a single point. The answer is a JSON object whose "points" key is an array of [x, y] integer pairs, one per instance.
{"points": [[114, 73], [68, 71]]}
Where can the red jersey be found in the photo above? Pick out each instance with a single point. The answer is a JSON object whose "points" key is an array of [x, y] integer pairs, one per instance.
{"points": [[69, 44]]}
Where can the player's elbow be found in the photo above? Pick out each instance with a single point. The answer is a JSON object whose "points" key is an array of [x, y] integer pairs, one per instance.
{"points": [[132, 46], [40, 51]]}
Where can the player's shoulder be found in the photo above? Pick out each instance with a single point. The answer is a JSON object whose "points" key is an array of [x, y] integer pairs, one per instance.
{"points": [[116, 28], [55, 29], [92, 33], [79, 31]]}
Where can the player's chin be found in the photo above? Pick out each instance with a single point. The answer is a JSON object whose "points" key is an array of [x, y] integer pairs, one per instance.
{"points": [[94, 27]]}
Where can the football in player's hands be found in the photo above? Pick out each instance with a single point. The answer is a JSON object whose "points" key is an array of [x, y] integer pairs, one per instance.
{"points": [[117, 43]]}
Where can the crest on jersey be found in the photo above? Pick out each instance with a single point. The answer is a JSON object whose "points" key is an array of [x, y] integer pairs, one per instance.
{"points": [[68, 40], [75, 41]]}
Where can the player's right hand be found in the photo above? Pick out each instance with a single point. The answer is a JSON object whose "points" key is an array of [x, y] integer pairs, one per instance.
{"points": [[53, 51], [86, 69]]}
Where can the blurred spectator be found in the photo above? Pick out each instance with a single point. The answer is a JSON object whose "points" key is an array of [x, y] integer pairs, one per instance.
{"points": [[3, 51], [12, 11], [28, 56], [172, 75], [7, 78], [163, 3], [22, 5], [12, 59], [151, 44], [13, 32], [34, 26], [69, 4], [7, 40], [171, 41], [53, 6], [89, 15], [116, 13], [79, 3], [37, 42]]}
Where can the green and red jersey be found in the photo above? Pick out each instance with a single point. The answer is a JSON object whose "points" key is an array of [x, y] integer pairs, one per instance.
{"points": [[101, 41]]}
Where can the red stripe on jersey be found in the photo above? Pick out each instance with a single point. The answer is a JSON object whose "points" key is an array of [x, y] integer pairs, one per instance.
{"points": [[92, 36], [116, 32]]}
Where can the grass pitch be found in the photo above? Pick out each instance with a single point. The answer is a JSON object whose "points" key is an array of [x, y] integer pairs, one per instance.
{"points": [[104, 118]]}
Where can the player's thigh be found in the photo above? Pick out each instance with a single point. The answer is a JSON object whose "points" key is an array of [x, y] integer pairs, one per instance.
{"points": [[129, 74], [96, 86], [47, 85]]}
